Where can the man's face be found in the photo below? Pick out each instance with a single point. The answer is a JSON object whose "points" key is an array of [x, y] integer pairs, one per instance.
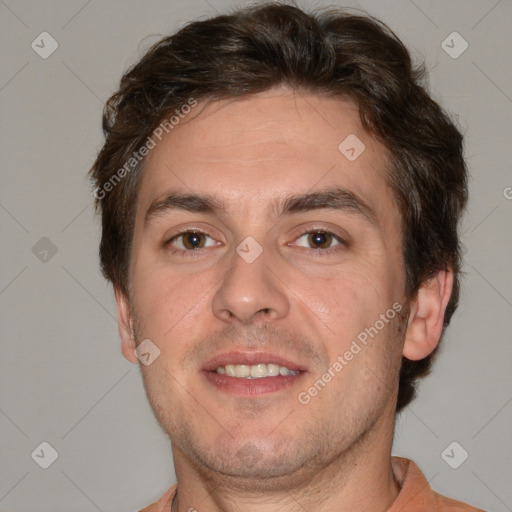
{"points": [[323, 277]]}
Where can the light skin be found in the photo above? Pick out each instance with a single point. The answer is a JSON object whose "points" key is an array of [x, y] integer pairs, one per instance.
{"points": [[303, 300]]}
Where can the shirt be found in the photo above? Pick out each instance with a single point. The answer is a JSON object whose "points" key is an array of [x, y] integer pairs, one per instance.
{"points": [[415, 495]]}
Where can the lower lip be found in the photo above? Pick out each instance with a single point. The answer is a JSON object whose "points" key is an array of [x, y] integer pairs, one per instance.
{"points": [[251, 387]]}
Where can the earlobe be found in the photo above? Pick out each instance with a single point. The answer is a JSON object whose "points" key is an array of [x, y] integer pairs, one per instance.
{"points": [[125, 326], [425, 324]]}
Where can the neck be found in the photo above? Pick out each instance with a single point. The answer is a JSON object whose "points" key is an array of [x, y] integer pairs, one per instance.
{"points": [[358, 479]]}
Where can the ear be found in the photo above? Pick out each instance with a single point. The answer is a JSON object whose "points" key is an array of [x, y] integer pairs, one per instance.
{"points": [[425, 324], [125, 326]]}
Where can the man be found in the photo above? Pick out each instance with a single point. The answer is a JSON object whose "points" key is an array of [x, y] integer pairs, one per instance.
{"points": [[280, 200]]}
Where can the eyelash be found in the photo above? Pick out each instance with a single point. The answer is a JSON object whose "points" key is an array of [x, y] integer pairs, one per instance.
{"points": [[196, 252]]}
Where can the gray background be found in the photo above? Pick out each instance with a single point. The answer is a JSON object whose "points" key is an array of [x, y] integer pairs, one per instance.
{"points": [[63, 379]]}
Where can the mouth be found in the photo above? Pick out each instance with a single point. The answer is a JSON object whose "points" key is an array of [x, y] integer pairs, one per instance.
{"points": [[255, 371], [251, 373]]}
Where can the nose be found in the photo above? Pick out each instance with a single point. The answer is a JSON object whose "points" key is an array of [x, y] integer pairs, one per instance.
{"points": [[251, 292]]}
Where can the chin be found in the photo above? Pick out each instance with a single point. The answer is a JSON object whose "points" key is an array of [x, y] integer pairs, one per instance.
{"points": [[255, 460]]}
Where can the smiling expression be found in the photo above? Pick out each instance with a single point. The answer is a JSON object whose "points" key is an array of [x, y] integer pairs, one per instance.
{"points": [[258, 242]]}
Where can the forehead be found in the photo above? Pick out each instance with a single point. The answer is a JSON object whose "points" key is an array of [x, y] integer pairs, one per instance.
{"points": [[251, 151]]}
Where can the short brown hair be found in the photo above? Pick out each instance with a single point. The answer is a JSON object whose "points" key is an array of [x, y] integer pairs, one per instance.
{"points": [[333, 53]]}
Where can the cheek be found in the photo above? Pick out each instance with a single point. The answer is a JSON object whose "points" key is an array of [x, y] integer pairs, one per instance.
{"points": [[169, 304], [361, 327], [349, 290], [347, 301]]}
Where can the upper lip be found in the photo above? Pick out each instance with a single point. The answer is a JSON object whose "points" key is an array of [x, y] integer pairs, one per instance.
{"points": [[249, 358]]}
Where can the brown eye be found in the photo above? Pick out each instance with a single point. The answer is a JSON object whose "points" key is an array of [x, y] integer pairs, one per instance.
{"points": [[319, 239], [190, 240], [193, 240]]}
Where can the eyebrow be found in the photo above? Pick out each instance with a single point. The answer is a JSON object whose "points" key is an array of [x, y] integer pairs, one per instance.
{"points": [[335, 198]]}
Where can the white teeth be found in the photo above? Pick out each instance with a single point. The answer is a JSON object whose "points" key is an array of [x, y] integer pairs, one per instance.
{"points": [[230, 370], [259, 370], [255, 371], [272, 370]]}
